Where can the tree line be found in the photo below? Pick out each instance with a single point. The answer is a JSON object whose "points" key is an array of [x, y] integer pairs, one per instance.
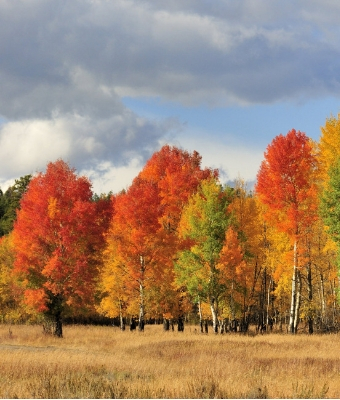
{"points": [[179, 245]]}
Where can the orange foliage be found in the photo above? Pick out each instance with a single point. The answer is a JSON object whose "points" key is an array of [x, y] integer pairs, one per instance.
{"points": [[55, 236]]}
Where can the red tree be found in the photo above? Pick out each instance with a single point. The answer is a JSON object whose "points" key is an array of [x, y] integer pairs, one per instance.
{"points": [[134, 238], [177, 174], [142, 233], [285, 185], [57, 235]]}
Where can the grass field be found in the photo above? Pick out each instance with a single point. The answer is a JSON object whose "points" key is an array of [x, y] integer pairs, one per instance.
{"points": [[97, 362]]}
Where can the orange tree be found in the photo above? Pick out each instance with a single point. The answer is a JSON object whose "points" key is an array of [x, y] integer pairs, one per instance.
{"points": [[286, 186], [142, 241], [177, 174], [57, 236], [133, 257]]}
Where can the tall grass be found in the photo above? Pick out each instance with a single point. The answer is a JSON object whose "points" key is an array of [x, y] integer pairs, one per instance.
{"points": [[103, 362]]}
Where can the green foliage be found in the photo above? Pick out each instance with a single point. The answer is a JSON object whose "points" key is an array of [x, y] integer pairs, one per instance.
{"points": [[10, 203], [204, 222], [330, 203], [330, 206]]}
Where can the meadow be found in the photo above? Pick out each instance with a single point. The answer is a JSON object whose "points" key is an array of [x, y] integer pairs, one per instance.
{"points": [[103, 362]]}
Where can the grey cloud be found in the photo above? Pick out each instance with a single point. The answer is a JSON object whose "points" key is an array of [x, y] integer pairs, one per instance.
{"points": [[27, 146], [182, 50], [64, 66]]}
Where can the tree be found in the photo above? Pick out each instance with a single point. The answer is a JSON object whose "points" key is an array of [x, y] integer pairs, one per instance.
{"points": [[11, 292], [329, 145], [285, 185], [203, 224], [58, 236], [10, 202], [134, 245], [245, 211], [142, 241], [231, 267], [330, 206], [177, 174]]}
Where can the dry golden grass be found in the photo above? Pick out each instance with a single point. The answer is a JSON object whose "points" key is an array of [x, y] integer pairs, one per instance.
{"points": [[96, 362]]}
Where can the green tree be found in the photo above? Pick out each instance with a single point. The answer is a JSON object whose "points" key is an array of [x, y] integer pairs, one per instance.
{"points": [[10, 203], [203, 225], [330, 206]]}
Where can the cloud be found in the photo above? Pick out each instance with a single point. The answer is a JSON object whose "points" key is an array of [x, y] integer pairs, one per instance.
{"points": [[65, 65], [106, 177], [55, 54], [229, 155], [27, 146]]}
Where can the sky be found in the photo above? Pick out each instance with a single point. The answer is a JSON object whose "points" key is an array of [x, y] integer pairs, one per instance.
{"points": [[104, 84]]}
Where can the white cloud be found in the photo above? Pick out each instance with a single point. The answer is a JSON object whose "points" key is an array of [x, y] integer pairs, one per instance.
{"points": [[106, 177], [26, 146], [233, 159]]}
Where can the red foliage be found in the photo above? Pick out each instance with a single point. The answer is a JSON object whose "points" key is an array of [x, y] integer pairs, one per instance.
{"points": [[285, 181], [56, 235]]}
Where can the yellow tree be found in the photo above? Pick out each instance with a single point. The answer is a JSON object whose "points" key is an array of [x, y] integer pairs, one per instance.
{"points": [[329, 145], [232, 273], [11, 293], [245, 210], [113, 285]]}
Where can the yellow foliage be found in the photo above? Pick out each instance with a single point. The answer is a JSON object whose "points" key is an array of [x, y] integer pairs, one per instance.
{"points": [[329, 144], [52, 207]]}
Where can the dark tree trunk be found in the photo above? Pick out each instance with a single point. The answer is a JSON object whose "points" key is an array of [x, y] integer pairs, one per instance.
{"points": [[310, 298], [141, 324], [206, 327], [58, 325], [180, 324], [55, 313], [166, 324]]}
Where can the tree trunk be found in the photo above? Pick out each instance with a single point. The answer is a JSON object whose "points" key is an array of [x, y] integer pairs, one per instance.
{"points": [[214, 314], [322, 298], [200, 315], [268, 302], [55, 313], [141, 296], [141, 309], [121, 319], [298, 300], [58, 325], [310, 298], [166, 324], [292, 319]]}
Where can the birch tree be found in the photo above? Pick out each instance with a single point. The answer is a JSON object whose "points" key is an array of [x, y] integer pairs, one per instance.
{"points": [[285, 185], [203, 224]]}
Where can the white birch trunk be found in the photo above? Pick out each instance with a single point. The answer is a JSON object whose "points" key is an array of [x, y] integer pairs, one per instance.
{"points": [[122, 327], [200, 314], [322, 298], [141, 296], [298, 301], [293, 298], [214, 315]]}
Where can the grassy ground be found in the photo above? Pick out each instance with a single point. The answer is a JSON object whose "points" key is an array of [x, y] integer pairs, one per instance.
{"points": [[94, 362]]}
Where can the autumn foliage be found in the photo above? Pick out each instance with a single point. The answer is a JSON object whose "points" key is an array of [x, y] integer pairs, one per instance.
{"points": [[178, 245], [57, 238]]}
